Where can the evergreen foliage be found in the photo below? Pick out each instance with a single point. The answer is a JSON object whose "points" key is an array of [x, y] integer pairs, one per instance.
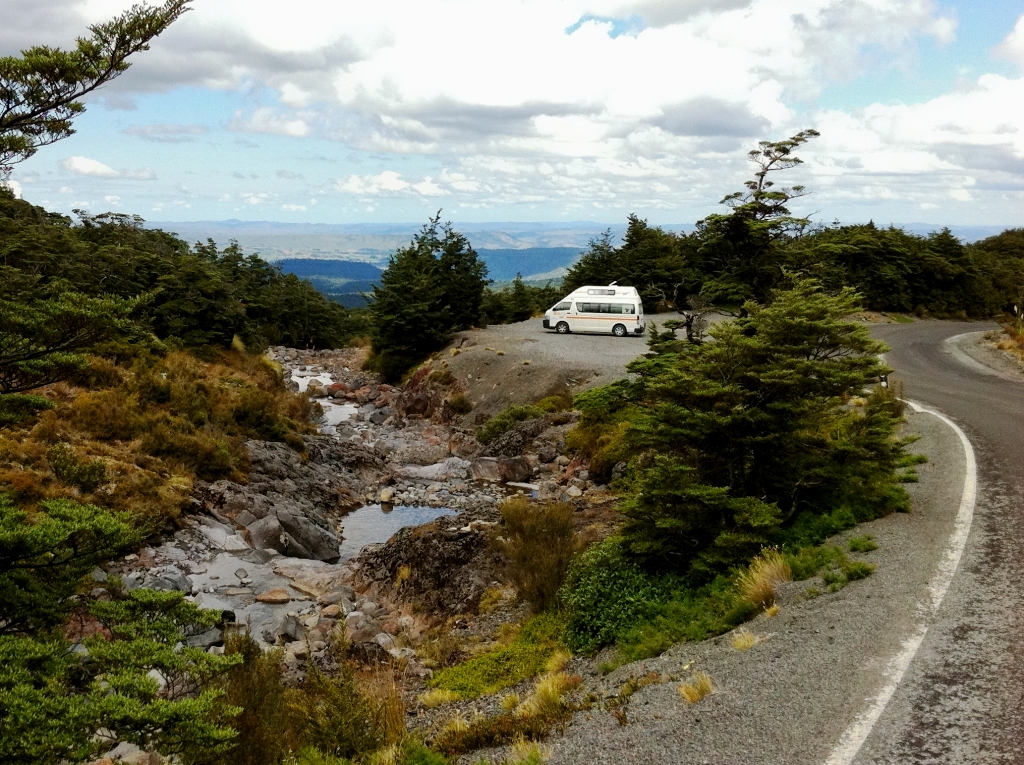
{"points": [[739, 436], [73, 285], [40, 90], [431, 288]]}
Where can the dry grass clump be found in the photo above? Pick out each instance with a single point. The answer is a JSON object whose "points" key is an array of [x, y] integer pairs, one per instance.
{"points": [[538, 542], [436, 697], [743, 640], [529, 720], [697, 688], [557, 661], [526, 752], [547, 701], [510, 701], [759, 583]]}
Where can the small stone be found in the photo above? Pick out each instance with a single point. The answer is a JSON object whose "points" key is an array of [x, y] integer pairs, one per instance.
{"points": [[562, 460], [332, 611], [241, 573], [387, 495], [277, 596], [574, 492], [299, 649]]}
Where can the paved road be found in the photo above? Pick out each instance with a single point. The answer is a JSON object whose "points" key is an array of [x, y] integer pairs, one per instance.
{"points": [[962, 699], [824, 660]]}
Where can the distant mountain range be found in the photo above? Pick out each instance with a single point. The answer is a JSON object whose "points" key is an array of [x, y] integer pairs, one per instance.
{"points": [[345, 260], [347, 280]]}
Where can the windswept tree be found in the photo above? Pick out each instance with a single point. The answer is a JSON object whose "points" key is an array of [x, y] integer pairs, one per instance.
{"points": [[41, 90], [741, 252]]}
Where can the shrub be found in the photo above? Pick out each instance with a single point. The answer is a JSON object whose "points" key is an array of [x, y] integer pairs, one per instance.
{"points": [[255, 686], [109, 415], [330, 714], [16, 408], [758, 584], [71, 470], [505, 420], [604, 593], [538, 542], [507, 665], [460, 404]]}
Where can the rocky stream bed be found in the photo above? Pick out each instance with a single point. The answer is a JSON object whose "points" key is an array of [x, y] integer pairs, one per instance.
{"points": [[375, 533]]}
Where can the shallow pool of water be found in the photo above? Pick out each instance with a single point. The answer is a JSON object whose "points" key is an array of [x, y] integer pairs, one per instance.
{"points": [[373, 523]]}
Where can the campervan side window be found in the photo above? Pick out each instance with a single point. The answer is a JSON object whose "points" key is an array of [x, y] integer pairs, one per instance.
{"points": [[601, 292], [604, 308], [562, 307]]}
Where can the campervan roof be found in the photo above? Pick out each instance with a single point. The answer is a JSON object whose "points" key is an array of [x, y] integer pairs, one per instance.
{"points": [[604, 290]]}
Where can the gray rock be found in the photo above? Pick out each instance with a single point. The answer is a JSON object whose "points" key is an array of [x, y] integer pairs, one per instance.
{"points": [[337, 595], [320, 543], [213, 636], [265, 534], [99, 575]]}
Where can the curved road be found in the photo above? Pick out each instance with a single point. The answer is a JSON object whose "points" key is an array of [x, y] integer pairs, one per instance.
{"points": [[962, 698]]}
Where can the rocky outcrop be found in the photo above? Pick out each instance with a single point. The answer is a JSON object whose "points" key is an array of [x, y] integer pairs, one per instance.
{"points": [[292, 501], [449, 567], [519, 439]]}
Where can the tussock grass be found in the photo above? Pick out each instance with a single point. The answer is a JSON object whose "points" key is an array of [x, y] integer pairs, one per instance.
{"points": [[510, 701], [696, 688], [759, 583], [526, 752], [546, 700], [557, 661], [436, 697], [743, 639], [862, 544]]}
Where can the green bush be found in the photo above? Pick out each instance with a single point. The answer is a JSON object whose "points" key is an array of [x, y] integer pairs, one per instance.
{"points": [[507, 419], [460, 404], [503, 667], [538, 542], [68, 468], [865, 543], [604, 594], [17, 408]]}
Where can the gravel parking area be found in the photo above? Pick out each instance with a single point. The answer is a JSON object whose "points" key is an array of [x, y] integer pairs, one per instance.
{"points": [[521, 363]]}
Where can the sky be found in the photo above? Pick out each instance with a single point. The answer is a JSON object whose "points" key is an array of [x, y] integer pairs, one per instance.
{"points": [[332, 111]]}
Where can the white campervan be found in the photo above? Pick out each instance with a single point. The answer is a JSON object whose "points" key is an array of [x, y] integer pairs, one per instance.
{"points": [[612, 309]]}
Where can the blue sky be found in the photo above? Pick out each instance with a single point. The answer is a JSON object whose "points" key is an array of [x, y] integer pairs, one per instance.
{"points": [[529, 110]]}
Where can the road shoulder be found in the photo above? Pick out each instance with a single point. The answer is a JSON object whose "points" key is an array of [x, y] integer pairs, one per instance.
{"points": [[790, 698]]}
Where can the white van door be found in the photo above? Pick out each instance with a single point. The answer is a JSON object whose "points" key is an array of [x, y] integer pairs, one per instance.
{"points": [[589, 316]]}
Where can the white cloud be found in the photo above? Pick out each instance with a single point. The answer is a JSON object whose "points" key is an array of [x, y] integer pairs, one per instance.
{"points": [[86, 166], [111, 199], [1012, 47], [14, 186], [387, 182], [96, 169], [293, 208], [255, 199], [267, 120], [164, 133]]}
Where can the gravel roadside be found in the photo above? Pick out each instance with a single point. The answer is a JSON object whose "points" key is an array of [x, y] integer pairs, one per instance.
{"points": [[788, 699]]}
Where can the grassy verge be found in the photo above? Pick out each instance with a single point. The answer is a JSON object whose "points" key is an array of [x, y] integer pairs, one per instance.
{"points": [[525, 656]]}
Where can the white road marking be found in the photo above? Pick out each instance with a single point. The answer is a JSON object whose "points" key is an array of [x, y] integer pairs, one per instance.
{"points": [[858, 731]]}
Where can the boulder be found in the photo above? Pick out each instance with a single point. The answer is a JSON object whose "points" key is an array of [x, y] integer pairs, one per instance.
{"points": [[265, 534], [276, 596], [318, 542]]}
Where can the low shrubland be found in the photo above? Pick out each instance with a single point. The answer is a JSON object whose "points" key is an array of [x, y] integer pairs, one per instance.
{"points": [[520, 658], [537, 542], [511, 416]]}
